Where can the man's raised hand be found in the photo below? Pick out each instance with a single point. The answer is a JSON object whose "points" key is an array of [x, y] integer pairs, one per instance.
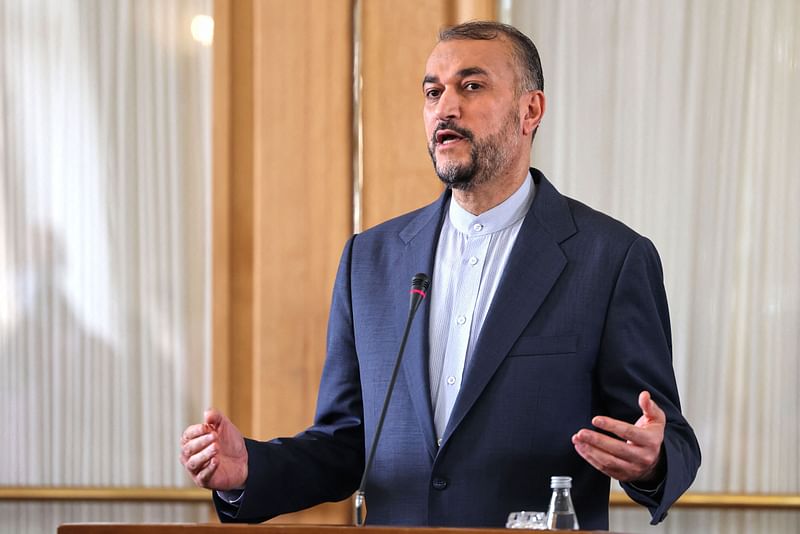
{"points": [[635, 456], [214, 453]]}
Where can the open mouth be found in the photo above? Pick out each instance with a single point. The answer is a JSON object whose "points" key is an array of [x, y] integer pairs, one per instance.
{"points": [[446, 137]]}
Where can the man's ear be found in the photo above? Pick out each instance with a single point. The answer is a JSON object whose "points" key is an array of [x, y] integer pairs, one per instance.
{"points": [[533, 104]]}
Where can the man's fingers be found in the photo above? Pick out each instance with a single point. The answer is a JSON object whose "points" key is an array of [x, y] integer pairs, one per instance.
{"points": [[622, 429], [192, 432], [212, 417], [612, 446], [606, 463], [600, 441], [626, 460], [196, 445], [635, 457], [197, 461], [644, 401], [204, 476], [649, 407]]}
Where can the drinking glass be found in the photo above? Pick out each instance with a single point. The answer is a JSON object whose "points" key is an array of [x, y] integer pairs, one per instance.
{"points": [[527, 520]]}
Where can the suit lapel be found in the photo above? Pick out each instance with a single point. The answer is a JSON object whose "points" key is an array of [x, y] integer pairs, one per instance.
{"points": [[534, 266], [421, 236]]}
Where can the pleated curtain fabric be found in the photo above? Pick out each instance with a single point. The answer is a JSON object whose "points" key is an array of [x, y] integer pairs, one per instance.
{"points": [[105, 168], [681, 118]]}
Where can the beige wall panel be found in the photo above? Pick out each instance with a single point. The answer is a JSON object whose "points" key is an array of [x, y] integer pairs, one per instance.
{"points": [[397, 38], [302, 169], [241, 230], [282, 207], [232, 239], [220, 194], [475, 10], [303, 206]]}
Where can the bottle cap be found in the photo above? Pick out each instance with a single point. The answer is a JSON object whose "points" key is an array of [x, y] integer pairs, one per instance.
{"points": [[560, 482]]}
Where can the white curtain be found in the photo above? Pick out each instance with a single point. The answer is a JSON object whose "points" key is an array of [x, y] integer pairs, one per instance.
{"points": [[105, 132], [681, 118]]}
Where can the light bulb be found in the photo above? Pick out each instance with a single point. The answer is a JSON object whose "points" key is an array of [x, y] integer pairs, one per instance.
{"points": [[203, 29]]}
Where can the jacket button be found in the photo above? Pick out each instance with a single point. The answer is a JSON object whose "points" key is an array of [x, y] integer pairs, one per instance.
{"points": [[439, 484]]}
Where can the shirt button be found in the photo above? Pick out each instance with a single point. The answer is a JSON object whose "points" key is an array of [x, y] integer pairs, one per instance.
{"points": [[477, 227], [451, 380], [473, 260], [439, 442], [461, 319], [439, 484]]}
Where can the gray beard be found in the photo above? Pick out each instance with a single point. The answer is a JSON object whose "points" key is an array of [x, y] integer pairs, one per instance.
{"points": [[487, 159]]}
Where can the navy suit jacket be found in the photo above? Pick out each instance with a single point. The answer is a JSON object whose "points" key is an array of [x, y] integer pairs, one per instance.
{"points": [[578, 327]]}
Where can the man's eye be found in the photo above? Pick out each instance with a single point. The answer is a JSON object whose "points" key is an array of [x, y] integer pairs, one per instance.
{"points": [[472, 86], [432, 93]]}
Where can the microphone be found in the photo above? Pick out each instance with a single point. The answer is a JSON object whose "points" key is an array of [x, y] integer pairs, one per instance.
{"points": [[419, 289]]}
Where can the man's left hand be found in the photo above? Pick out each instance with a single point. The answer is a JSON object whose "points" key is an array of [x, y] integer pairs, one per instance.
{"points": [[635, 456]]}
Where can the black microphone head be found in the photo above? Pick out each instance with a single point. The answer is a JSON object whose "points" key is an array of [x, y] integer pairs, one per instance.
{"points": [[421, 282], [419, 289]]}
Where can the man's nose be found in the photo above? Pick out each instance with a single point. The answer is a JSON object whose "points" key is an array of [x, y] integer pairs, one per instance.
{"points": [[448, 106]]}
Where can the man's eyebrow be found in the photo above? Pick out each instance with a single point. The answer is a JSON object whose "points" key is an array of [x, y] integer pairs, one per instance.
{"points": [[430, 78], [471, 71], [463, 73]]}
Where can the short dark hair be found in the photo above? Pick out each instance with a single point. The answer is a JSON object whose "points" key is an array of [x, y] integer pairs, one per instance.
{"points": [[523, 49]]}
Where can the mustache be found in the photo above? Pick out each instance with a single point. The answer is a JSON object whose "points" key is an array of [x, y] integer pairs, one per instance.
{"points": [[452, 126]]}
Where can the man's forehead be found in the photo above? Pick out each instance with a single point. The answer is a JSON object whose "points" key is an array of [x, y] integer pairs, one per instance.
{"points": [[458, 57]]}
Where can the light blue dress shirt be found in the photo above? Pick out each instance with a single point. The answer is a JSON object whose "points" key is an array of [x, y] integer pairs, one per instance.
{"points": [[470, 259]]}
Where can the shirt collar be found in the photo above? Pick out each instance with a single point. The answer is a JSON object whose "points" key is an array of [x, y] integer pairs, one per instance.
{"points": [[508, 212]]}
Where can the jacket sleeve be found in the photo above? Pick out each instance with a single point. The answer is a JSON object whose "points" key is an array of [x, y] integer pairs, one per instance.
{"points": [[636, 355], [324, 462]]}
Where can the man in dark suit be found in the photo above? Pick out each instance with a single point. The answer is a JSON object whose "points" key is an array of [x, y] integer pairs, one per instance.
{"points": [[544, 350]]}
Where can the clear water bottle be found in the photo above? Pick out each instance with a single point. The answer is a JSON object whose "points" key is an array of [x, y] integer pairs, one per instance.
{"points": [[561, 513]]}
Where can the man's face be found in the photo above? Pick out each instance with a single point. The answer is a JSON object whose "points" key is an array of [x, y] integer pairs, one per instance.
{"points": [[472, 113]]}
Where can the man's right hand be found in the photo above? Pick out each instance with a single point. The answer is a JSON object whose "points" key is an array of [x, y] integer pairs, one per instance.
{"points": [[214, 453]]}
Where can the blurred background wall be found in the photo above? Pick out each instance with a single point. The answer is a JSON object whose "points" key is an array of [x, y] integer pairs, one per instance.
{"points": [[105, 170], [172, 214]]}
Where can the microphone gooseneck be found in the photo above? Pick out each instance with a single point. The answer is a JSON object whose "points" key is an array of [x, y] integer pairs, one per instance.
{"points": [[419, 290]]}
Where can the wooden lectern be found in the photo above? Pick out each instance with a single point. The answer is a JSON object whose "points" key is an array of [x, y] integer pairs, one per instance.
{"points": [[177, 528]]}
